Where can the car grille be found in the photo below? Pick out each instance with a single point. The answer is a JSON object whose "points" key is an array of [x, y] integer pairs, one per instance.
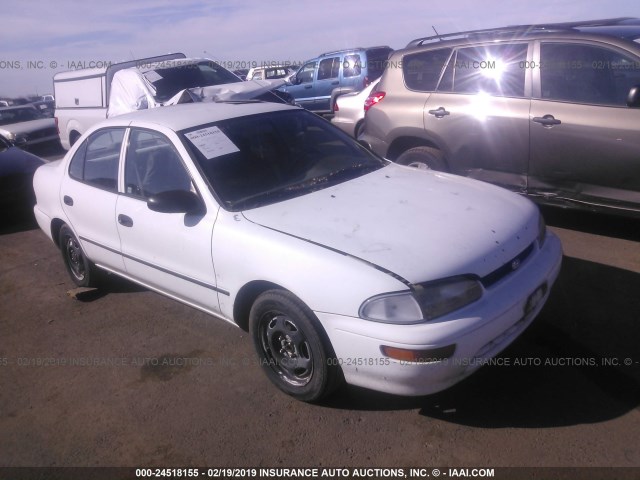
{"points": [[509, 267]]}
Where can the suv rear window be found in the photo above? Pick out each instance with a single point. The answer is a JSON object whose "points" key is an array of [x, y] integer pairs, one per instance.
{"points": [[422, 70], [376, 62]]}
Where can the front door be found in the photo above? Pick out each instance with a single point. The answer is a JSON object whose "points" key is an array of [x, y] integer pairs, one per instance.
{"points": [[170, 252], [585, 141]]}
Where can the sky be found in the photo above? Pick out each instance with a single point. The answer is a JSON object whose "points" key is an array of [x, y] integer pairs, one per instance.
{"points": [[40, 38]]}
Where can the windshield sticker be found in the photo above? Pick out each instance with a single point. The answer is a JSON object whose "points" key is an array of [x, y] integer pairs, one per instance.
{"points": [[212, 142], [153, 76]]}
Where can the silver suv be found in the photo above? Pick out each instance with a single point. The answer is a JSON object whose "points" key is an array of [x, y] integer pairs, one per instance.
{"points": [[552, 111]]}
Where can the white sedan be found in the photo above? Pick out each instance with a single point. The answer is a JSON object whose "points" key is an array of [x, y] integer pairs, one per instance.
{"points": [[341, 265]]}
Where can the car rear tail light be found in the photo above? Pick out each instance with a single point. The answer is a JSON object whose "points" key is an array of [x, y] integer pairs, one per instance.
{"points": [[335, 106], [373, 99]]}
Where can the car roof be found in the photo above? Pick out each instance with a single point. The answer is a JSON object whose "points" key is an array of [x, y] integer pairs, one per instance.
{"points": [[180, 117], [626, 28]]}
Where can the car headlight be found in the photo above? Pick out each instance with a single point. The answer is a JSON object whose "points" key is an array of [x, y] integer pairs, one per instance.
{"points": [[392, 308], [426, 302]]}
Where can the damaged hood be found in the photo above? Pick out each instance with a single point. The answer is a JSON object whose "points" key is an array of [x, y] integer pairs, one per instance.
{"points": [[131, 90], [420, 225], [228, 92]]}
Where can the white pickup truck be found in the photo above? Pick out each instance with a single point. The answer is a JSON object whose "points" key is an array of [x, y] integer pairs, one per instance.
{"points": [[85, 97]]}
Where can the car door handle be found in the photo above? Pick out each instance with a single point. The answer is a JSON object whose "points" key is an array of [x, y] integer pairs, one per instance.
{"points": [[67, 200], [547, 121], [308, 86], [439, 112], [337, 82], [125, 220]]}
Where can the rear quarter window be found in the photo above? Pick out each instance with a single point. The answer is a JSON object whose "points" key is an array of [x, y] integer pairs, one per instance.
{"points": [[422, 70]]}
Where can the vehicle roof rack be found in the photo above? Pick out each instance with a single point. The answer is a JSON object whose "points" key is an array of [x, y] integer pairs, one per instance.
{"points": [[351, 49], [542, 27]]}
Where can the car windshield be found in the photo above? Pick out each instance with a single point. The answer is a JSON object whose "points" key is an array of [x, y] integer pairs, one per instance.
{"points": [[169, 81], [262, 159], [17, 115]]}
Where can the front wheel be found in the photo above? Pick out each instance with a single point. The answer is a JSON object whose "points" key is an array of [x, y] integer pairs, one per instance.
{"points": [[80, 269], [292, 347], [423, 158]]}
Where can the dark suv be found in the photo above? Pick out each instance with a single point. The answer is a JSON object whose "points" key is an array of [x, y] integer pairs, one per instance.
{"points": [[320, 81], [552, 111]]}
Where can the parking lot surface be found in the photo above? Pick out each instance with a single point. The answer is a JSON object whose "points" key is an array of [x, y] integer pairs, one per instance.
{"points": [[122, 376]]}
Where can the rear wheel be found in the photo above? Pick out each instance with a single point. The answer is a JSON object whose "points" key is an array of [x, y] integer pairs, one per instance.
{"points": [[423, 158], [292, 347], [81, 270]]}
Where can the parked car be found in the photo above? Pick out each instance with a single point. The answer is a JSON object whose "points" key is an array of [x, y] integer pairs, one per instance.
{"points": [[26, 126], [321, 80], [46, 108], [340, 264], [552, 111], [349, 109], [16, 178], [271, 72]]}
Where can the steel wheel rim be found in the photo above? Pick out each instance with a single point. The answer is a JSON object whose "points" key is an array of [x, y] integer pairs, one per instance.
{"points": [[286, 349], [75, 260]]}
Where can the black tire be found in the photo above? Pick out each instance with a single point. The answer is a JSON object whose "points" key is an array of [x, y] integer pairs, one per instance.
{"points": [[81, 270], [73, 138], [423, 158], [359, 129], [292, 347]]}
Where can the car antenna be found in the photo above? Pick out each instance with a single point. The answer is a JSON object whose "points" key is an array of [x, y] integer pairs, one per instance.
{"points": [[437, 34]]}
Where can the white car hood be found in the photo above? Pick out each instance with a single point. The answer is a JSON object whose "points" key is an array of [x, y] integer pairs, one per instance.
{"points": [[419, 225]]}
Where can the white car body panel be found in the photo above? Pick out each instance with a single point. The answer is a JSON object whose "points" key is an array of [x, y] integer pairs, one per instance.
{"points": [[485, 235], [333, 249], [350, 111]]}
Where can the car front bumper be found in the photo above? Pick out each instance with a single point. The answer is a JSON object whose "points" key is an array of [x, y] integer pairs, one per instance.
{"points": [[479, 332]]}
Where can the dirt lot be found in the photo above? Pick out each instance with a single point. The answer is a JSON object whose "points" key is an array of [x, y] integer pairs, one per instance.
{"points": [[125, 377]]}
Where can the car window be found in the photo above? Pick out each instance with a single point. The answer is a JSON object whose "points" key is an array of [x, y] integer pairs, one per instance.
{"points": [[352, 66], [96, 160], [586, 74], [262, 159], [153, 165], [376, 62], [422, 70], [329, 68], [305, 75], [257, 75], [491, 69], [276, 72]]}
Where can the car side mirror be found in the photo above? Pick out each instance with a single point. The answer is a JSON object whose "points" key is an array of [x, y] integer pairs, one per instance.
{"points": [[297, 80], [633, 99], [175, 201]]}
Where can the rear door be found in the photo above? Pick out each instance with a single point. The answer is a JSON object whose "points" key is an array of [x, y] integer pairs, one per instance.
{"points": [[480, 113], [89, 194], [328, 78], [585, 141]]}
